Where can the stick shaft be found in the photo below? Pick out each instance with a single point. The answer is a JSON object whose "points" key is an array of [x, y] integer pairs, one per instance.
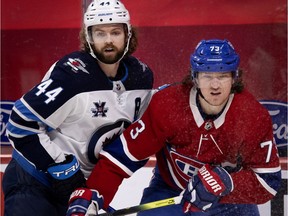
{"points": [[144, 207]]}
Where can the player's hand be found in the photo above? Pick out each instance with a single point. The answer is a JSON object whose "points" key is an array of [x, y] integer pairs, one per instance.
{"points": [[84, 202], [206, 188], [66, 177]]}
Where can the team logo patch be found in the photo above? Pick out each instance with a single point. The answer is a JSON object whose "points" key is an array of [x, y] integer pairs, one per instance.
{"points": [[278, 112], [100, 109], [76, 65], [182, 168], [186, 167], [6, 108]]}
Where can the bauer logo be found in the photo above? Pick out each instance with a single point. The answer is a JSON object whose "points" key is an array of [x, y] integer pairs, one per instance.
{"points": [[6, 107], [278, 112]]}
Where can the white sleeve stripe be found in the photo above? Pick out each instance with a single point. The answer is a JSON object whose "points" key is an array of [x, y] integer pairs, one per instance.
{"points": [[265, 185], [126, 150], [14, 135], [116, 162], [50, 124], [267, 170], [24, 127]]}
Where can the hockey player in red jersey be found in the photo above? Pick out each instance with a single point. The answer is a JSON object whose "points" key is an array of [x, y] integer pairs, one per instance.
{"points": [[212, 139]]}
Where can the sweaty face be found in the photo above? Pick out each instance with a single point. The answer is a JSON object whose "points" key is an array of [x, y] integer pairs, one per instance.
{"points": [[215, 88], [108, 42]]}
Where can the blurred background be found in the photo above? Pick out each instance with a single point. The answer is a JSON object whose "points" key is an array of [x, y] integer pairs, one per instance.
{"points": [[35, 34]]}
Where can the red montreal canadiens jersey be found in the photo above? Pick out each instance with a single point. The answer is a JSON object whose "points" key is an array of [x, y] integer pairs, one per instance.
{"points": [[172, 127]]}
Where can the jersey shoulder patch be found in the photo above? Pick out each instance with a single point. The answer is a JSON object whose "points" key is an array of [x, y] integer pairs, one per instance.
{"points": [[77, 62]]}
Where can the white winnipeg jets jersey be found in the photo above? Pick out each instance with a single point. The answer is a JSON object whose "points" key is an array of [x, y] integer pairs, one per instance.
{"points": [[77, 109]]}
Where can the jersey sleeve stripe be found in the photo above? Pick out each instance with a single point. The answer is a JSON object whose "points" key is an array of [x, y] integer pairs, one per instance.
{"points": [[27, 111], [265, 185], [18, 117], [116, 162], [126, 150], [267, 170], [118, 156], [17, 130]]}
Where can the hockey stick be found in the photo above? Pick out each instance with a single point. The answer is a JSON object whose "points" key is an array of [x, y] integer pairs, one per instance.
{"points": [[143, 207]]}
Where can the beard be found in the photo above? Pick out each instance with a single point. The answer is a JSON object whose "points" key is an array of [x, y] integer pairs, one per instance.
{"points": [[103, 54]]}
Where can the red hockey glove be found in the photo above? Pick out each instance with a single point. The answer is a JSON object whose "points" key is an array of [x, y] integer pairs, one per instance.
{"points": [[206, 188], [84, 202]]}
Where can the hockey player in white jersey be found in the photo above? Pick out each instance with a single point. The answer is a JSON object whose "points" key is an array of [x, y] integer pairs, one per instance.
{"points": [[85, 100]]}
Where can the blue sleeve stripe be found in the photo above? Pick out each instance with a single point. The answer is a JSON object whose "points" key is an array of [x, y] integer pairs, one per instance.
{"points": [[271, 181], [19, 131], [22, 120], [120, 158], [24, 112], [125, 149], [117, 163]]}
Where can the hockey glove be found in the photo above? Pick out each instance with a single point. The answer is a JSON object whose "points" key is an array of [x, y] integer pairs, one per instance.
{"points": [[84, 202], [206, 188], [66, 177]]}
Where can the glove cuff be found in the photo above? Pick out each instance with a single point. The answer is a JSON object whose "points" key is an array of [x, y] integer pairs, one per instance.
{"points": [[65, 169], [217, 181]]}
